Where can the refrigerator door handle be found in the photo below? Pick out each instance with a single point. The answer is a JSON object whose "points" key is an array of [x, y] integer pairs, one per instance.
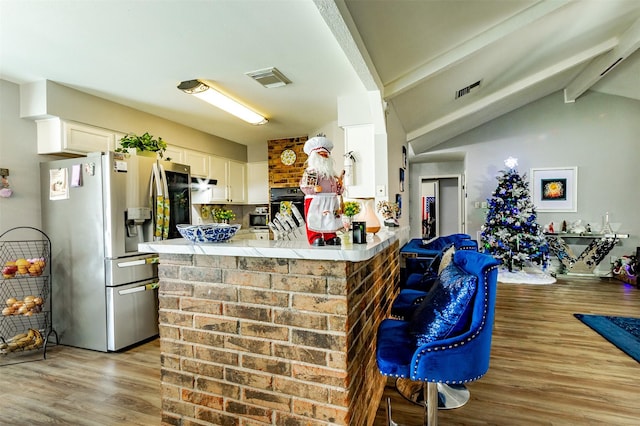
{"points": [[144, 287], [161, 222], [139, 262], [167, 202]]}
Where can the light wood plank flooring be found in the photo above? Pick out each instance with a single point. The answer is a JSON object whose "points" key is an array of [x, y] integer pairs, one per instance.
{"points": [[547, 368]]}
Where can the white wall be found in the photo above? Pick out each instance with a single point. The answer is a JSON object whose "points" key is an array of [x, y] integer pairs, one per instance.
{"points": [[396, 139], [598, 134], [18, 154]]}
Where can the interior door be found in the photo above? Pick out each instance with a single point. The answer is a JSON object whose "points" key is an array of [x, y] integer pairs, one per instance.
{"points": [[429, 196], [442, 206]]}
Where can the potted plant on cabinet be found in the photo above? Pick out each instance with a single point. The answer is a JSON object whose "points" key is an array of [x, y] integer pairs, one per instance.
{"points": [[144, 143]]}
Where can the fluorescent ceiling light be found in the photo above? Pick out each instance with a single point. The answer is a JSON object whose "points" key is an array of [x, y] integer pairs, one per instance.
{"points": [[217, 99]]}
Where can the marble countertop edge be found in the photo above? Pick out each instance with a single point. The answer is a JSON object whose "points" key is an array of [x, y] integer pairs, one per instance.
{"points": [[295, 249]]}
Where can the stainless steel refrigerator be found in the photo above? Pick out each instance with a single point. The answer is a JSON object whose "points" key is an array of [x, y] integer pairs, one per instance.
{"points": [[95, 210]]}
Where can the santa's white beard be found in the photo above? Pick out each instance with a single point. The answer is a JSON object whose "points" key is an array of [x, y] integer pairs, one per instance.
{"points": [[323, 165]]}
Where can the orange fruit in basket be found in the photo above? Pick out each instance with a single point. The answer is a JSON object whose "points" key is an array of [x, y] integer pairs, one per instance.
{"points": [[35, 270]]}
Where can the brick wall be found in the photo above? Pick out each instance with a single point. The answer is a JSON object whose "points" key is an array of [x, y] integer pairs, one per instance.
{"points": [[262, 341], [281, 176]]}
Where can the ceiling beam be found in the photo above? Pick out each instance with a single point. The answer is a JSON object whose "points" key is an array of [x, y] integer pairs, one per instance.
{"points": [[628, 43], [468, 48], [508, 91], [337, 17]]}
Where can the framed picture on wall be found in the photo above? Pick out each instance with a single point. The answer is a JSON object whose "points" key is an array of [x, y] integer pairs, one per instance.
{"points": [[555, 189], [401, 179], [404, 157], [399, 203]]}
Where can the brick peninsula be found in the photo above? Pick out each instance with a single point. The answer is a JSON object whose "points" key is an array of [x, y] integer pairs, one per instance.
{"points": [[262, 332]]}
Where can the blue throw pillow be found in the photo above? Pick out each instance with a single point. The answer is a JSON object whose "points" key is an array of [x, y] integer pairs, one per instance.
{"points": [[446, 310]]}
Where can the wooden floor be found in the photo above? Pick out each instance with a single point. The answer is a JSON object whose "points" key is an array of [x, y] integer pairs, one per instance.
{"points": [[547, 368]]}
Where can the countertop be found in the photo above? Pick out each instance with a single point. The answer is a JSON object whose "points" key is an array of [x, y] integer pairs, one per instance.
{"points": [[285, 249]]}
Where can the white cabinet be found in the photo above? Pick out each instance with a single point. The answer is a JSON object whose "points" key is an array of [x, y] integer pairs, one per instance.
{"points": [[175, 154], [361, 140], [237, 182], [231, 176], [57, 136], [199, 162], [258, 183], [218, 171], [262, 235]]}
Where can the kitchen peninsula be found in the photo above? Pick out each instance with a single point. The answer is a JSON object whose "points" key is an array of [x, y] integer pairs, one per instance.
{"points": [[273, 332]]}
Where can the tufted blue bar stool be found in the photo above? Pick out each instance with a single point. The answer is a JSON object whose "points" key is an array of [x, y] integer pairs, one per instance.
{"points": [[447, 341], [418, 285], [420, 257]]}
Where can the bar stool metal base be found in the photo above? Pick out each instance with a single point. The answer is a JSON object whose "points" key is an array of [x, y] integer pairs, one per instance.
{"points": [[449, 396]]}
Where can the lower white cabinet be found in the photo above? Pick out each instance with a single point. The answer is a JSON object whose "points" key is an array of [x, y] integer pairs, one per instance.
{"points": [[262, 235], [57, 136]]}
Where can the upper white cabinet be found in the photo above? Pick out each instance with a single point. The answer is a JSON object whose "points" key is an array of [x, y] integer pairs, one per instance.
{"points": [[199, 162], [57, 136], [175, 154], [218, 170], [231, 177], [237, 182], [361, 140], [258, 183]]}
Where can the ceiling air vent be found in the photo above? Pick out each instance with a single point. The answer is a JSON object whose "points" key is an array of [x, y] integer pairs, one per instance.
{"points": [[466, 90], [269, 77]]}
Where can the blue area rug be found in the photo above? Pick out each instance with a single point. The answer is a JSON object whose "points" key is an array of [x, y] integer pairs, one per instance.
{"points": [[624, 332]]}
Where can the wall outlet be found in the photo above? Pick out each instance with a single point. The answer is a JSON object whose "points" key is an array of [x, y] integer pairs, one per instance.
{"points": [[485, 205], [476, 204], [613, 259]]}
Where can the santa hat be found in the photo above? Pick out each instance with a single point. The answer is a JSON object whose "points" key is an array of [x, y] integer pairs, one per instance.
{"points": [[318, 143]]}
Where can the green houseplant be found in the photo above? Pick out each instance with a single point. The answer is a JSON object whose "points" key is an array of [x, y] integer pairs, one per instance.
{"points": [[144, 143], [351, 208], [221, 215]]}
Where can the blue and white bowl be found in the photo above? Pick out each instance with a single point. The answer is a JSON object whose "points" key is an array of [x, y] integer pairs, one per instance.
{"points": [[208, 233]]}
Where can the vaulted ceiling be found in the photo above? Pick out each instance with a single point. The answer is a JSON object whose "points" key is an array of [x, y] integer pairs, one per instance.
{"points": [[500, 55]]}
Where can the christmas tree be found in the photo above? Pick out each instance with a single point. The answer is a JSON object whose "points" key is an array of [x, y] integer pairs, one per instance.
{"points": [[511, 232]]}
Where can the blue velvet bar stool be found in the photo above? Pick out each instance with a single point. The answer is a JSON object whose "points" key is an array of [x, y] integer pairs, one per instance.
{"points": [[418, 285], [447, 342], [420, 257]]}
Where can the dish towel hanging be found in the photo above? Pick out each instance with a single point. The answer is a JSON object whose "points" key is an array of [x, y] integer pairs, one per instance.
{"points": [[161, 199]]}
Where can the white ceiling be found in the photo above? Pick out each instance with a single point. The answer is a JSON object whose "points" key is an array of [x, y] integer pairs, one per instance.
{"points": [[416, 53]]}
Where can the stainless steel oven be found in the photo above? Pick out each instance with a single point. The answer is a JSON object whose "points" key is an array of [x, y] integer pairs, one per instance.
{"points": [[283, 198]]}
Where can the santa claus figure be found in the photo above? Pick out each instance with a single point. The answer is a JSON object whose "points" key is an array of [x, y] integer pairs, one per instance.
{"points": [[323, 189]]}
